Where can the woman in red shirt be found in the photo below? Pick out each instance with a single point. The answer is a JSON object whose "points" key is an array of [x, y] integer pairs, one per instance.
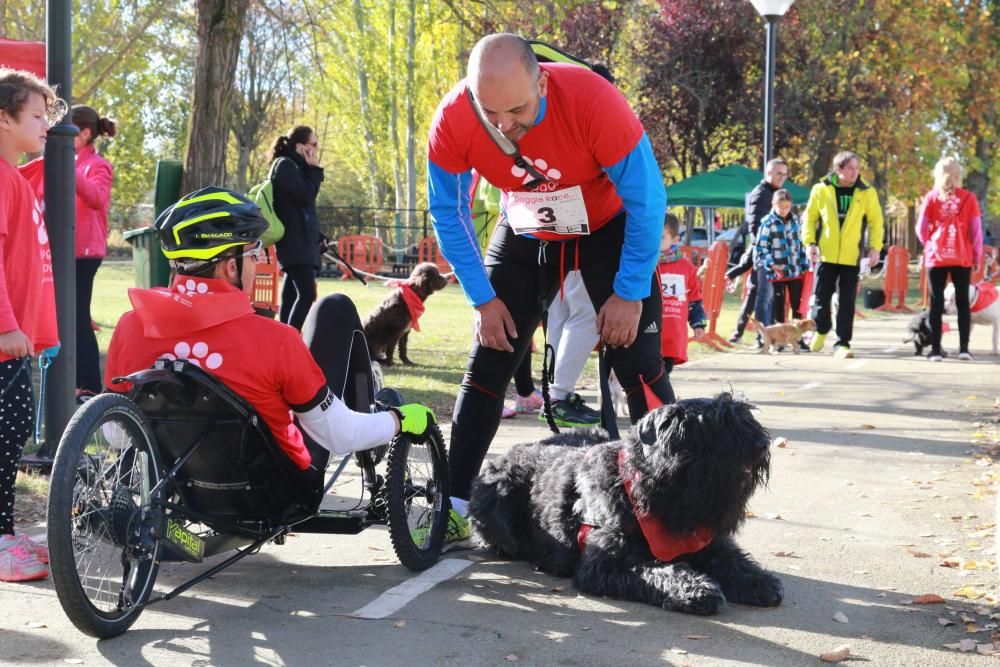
{"points": [[950, 227], [93, 198], [27, 299]]}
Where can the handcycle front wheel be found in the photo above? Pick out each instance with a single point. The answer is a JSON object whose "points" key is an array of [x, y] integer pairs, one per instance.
{"points": [[102, 547], [417, 497]]}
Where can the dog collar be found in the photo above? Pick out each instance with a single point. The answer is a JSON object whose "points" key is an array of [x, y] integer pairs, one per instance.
{"points": [[665, 544], [413, 304]]}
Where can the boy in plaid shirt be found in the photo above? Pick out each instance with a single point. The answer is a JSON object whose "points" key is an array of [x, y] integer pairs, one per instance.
{"points": [[779, 258]]}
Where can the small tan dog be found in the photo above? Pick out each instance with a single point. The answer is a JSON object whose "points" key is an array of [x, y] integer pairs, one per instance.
{"points": [[783, 334]]}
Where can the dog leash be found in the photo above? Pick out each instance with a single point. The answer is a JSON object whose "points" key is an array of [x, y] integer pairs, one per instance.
{"points": [[609, 422]]}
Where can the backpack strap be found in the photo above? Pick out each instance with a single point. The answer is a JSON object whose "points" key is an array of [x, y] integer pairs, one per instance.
{"points": [[508, 146]]}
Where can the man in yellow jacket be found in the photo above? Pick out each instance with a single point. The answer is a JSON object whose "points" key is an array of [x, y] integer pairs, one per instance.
{"points": [[841, 208]]}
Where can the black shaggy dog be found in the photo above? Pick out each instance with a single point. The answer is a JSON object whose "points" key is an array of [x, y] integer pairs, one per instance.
{"points": [[649, 518], [920, 332], [391, 322]]}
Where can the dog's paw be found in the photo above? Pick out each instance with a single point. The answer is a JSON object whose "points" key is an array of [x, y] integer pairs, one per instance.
{"points": [[704, 601], [765, 590]]}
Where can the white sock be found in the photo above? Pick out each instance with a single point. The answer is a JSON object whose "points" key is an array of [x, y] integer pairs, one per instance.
{"points": [[460, 506]]}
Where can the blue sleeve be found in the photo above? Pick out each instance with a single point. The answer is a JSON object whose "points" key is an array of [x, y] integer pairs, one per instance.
{"points": [[696, 314], [449, 201], [639, 183]]}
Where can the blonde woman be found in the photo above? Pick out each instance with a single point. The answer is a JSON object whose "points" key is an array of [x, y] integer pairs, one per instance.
{"points": [[950, 227]]}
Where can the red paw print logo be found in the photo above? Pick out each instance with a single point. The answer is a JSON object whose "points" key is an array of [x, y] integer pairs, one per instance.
{"points": [[192, 287], [38, 217], [540, 166], [198, 354]]}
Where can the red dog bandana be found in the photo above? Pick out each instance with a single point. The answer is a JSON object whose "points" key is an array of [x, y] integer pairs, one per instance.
{"points": [[665, 545], [413, 304], [986, 295]]}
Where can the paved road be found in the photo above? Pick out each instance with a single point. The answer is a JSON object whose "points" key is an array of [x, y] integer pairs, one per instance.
{"points": [[878, 467]]}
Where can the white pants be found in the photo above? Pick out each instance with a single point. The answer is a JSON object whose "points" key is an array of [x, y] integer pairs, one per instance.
{"points": [[572, 333]]}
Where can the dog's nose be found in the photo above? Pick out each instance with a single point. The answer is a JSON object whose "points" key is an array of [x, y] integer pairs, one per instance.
{"points": [[762, 445]]}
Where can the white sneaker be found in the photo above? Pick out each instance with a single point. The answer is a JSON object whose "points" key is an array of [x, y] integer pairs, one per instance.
{"points": [[965, 356], [934, 356]]}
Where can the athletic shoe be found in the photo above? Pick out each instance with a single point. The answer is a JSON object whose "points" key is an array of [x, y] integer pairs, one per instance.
{"points": [[842, 351], [458, 529], [20, 564], [572, 412], [529, 403], [935, 356], [817, 342], [40, 550], [508, 412], [965, 356], [803, 347], [736, 338]]}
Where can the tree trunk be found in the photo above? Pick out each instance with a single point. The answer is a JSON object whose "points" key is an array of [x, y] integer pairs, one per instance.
{"points": [[220, 29], [375, 185], [978, 180], [411, 132], [397, 180], [827, 147]]}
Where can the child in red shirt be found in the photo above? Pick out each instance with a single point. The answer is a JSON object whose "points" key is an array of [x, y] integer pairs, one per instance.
{"points": [[27, 300], [681, 292]]}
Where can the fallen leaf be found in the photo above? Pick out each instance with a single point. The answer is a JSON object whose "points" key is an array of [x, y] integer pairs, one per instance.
{"points": [[868, 426], [511, 658], [785, 554], [840, 617], [946, 621], [971, 628], [965, 645], [986, 649], [399, 624], [780, 443], [35, 624], [918, 554], [968, 592], [838, 654], [696, 637], [773, 517], [929, 598], [950, 562]]}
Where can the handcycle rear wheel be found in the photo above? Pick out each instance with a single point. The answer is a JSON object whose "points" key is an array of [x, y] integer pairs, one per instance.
{"points": [[102, 547], [417, 496]]}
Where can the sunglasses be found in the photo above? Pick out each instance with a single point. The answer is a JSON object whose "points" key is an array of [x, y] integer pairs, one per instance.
{"points": [[257, 252]]}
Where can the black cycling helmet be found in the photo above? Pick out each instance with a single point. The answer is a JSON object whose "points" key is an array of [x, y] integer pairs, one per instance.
{"points": [[205, 223]]}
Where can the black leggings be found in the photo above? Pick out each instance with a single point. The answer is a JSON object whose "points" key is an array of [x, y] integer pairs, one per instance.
{"points": [[17, 403], [333, 332], [88, 357], [523, 383], [794, 288], [512, 263], [297, 294], [938, 278]]}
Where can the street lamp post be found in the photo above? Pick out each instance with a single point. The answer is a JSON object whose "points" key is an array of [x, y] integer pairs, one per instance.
{"points": [[772, 11]]}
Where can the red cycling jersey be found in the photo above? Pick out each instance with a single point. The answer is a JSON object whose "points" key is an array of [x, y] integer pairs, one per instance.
{"points": [[210, 323]]}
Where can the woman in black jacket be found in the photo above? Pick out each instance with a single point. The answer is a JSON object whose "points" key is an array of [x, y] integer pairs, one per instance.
{"points": [[296, 182]]}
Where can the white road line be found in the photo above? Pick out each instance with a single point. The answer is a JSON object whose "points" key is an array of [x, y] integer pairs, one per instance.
{"points": [[399, 596], [860, 363], [809, 385]]}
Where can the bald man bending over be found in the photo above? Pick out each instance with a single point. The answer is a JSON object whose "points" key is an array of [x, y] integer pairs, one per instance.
{"points": [[593, 200]]}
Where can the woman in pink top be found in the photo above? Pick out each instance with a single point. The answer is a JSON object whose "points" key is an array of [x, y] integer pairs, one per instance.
{"points": [[93, 198], [950, 227]]}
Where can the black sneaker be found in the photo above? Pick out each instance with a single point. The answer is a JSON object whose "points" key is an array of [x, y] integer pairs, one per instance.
{"points": [[803, 347], [571, 412], [759, 345], [736, 338]]}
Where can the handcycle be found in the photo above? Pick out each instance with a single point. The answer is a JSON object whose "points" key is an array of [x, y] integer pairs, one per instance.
{"points": [[181, 469]]}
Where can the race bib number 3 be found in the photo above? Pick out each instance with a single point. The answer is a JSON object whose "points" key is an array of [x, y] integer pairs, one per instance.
{"points": [[559, 212]]}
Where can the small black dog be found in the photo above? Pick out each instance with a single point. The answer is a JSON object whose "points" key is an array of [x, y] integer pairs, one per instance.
{"points": [[391, 321], [920, 332], [649, 518]]}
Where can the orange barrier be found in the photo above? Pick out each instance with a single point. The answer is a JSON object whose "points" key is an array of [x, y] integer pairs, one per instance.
{"points": [[694, 254], [361, 251], [265, 285], [713, 288], [897, 280], [428, 251]]}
